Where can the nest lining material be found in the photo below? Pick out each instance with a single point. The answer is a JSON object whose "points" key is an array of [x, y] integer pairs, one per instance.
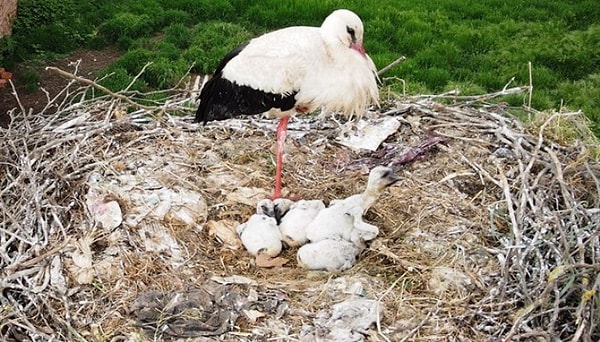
{"points": [[490, 236]]}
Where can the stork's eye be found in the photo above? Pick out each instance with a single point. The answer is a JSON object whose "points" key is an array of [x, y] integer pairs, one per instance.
{"points": [[350, 31]]}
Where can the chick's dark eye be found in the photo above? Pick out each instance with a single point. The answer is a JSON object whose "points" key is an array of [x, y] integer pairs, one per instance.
{"points": [[265, 209]]}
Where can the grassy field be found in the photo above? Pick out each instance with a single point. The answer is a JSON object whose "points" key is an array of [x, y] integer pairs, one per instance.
{"points": [[477, 46]]}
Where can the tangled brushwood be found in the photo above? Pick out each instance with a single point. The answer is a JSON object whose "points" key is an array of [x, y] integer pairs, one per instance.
{"points": [[492, 234]]}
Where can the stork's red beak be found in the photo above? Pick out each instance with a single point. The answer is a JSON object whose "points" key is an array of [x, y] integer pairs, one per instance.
{"points": [[359, 47]]}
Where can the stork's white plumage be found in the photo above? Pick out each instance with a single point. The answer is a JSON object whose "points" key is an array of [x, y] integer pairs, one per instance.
{"points": [[328, 254], [294, 70], [343, 218], [293, 224], [260, 233]]}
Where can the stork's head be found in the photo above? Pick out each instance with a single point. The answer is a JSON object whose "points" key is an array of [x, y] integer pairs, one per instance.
{"points": [[344, 27], [265, 207], [380, 178]]}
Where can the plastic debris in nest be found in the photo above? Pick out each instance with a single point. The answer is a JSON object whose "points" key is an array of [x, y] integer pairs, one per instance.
{"points": [[222, 304], [444, 279], [104, 211], [368, 135], [224, 232], [349, 320], [145, 197], [208, 310], [149, 204], [157, 239], [84, 267], [395, 155]]}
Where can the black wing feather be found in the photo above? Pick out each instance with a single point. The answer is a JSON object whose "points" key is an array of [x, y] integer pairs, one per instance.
{"points": [[222, 99]]}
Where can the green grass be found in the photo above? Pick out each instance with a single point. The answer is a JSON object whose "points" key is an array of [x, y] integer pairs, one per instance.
{"points": [[478, 44]]}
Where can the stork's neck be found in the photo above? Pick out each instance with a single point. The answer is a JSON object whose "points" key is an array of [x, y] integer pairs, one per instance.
{"points": [[368, 198]]}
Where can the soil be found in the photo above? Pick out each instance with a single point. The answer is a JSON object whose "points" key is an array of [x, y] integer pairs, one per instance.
{"points": [[92, 62]]}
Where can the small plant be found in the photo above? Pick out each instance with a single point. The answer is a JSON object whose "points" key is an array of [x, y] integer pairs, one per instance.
{"points": [[173, 16], [53, 38], [205, 10], [7, 48], [117, 79], [97, 42], [33, 14], [178, 35], [126, 25], [584, 94], [211, 41], [567, 129], [164, 73], [134, 60], [30, 80]]}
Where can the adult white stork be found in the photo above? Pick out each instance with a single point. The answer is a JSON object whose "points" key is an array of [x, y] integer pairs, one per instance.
{"points": [[294, 70]]}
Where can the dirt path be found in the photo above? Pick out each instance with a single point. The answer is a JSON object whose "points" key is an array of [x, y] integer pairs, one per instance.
{"points": [[92, 61]]}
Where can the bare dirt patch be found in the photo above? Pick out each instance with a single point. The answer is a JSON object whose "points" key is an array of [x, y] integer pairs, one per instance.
{"points": [[92, 61]]}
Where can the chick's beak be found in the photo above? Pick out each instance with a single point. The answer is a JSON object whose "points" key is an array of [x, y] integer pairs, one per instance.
{"points": [[393, 178]]}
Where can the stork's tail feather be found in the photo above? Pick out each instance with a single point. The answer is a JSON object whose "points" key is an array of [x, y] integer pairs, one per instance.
{"points": [[205, 102]]}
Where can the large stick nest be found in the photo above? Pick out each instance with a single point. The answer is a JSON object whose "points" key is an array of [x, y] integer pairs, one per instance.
{"points": [[492, 235]]}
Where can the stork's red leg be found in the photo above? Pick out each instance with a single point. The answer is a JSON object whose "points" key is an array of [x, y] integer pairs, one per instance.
{"points": [[281, 136]]}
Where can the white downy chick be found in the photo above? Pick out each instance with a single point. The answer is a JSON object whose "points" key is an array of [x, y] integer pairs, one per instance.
{"points": [[260, 233], [281, 206], [294, 222], [343, 218], [328, 254]]}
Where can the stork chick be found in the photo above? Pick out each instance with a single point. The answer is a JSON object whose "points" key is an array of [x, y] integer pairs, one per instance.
{"points": [[293, 224], [343, 218], [260, 234], [328, 254], [281, 206]]}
